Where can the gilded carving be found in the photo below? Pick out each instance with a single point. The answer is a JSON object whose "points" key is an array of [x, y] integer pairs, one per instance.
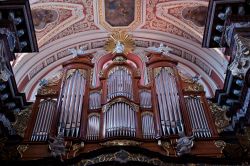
{"points": [[120, 59], [167, 69], [72, 71], [166, 146], [123, 157], [46, 91], [101, 73], [121, 143], [22, 148], [21, 121], [219, 116], [220, 144], [123, 39], [192, 85]]}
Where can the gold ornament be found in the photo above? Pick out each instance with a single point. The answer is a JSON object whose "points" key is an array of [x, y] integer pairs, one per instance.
{"points": [[121, 143], [122, 37]]}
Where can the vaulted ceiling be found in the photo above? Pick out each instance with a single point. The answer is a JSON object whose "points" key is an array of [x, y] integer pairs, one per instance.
{"points": [[64, 24]]}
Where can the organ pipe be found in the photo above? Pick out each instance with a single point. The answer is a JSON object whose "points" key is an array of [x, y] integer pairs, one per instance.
{"points": [[120, 83], [198, 118], [120, 120], [72, 103], [43, 120], [94, 100], [145, 99], [93, 127], [168, 101], [148, 130]]}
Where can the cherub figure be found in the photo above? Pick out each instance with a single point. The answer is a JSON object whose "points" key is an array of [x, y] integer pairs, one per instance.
{"points": [[184, 144], [57, 146]]}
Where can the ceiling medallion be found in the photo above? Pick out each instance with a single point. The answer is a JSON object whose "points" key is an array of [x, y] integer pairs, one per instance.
{"points": [[120, 38]]}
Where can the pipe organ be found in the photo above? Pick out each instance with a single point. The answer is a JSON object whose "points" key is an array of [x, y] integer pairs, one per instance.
{"points": [[196, 113], [71, 102], [168, 101], [119, 83], [93, 127], [120, 107], [120, 120], [43, 120]]}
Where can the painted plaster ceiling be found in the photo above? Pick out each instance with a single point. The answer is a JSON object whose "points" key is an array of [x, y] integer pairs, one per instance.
{"points": [[64, 24]]}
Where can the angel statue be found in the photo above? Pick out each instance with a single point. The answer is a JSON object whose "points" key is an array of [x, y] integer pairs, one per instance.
{"points": [[57, 147], [161, 49], [119, 47], [184, 144], [76, 52]]}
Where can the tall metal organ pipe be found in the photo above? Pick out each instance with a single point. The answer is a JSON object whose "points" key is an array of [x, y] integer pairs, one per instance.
{"points": [[72, 103], [148, 129], [168, 102], [120, 120], [145, 99], [43, 121], [93, 127], [197, 115], [120, 83], [95, 100]]}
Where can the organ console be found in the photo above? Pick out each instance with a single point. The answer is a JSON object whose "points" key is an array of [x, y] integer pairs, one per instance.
{"points": [[121, 109]]}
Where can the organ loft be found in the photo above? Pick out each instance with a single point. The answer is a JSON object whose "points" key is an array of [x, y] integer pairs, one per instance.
{"points": [[99, 105], [125, 82]]}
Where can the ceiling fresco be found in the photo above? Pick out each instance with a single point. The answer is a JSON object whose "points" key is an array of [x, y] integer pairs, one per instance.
{"points": [[64, 24], [55, 19], [119, 13]]}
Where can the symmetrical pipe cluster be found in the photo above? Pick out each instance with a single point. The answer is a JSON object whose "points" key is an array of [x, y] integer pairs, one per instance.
{"points": [[145, 99], [93, 127], [120, 120], [197, 116], [71, 104], [168, 102], [43, 120], [120, 83], [148, 130], [95, 100]]}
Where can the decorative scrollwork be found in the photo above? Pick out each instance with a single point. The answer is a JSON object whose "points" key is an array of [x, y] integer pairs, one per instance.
{"points": [[158, 70], [21, 121], [219, 116], [123, 157], [220, 144], [72, 71], [120, 59], [46, 91], [121, 143], [22, 148]]}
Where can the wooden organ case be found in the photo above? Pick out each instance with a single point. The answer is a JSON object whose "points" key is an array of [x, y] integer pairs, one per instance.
{"points": [[120, 111]]}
